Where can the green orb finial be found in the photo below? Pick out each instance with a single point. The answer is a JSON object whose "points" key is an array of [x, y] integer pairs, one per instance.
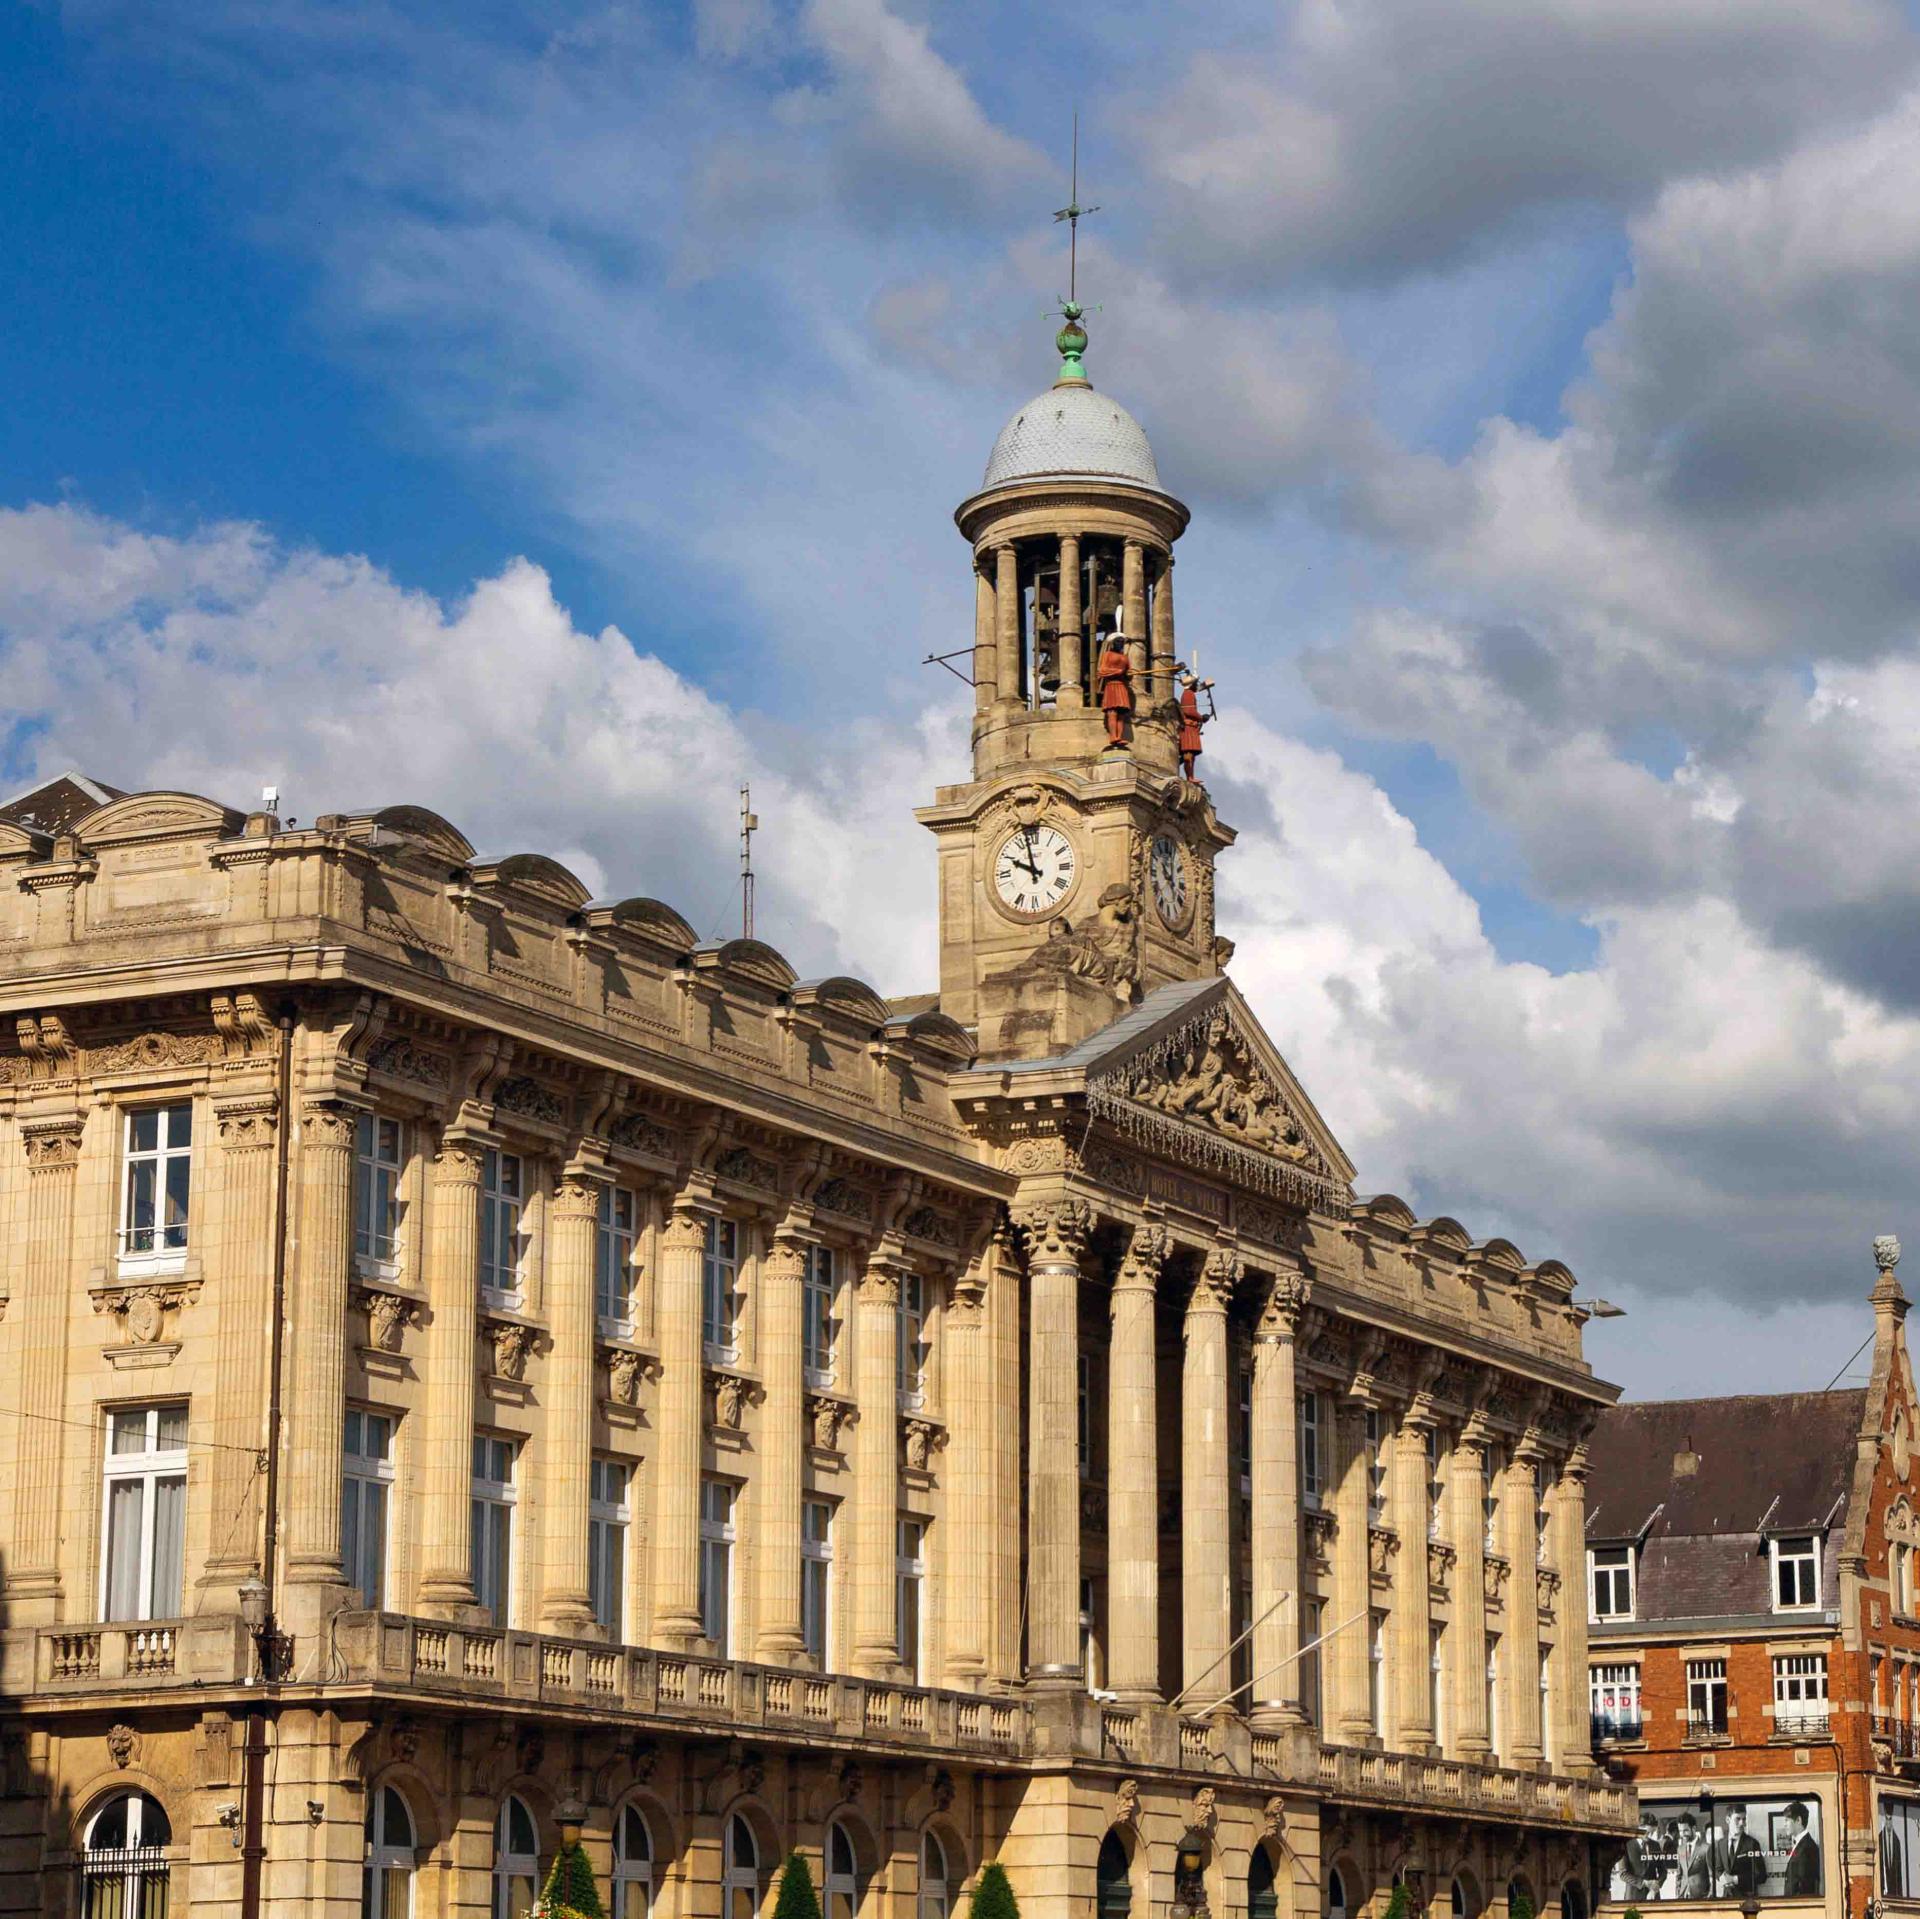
{"points": [[1072, 343]]}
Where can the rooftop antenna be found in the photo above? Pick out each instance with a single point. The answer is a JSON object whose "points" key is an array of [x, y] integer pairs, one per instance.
{"points": [[1072, 213], [749, 825]]}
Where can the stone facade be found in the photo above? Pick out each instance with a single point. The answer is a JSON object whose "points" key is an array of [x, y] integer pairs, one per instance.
{"points": [[480, 1357]]}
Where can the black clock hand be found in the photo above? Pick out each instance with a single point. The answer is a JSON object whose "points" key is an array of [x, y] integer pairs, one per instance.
{"points": [[1027, 834]]}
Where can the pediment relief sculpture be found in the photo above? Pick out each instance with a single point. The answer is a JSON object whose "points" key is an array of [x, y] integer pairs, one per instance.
{"points": [[1215, 1082]]}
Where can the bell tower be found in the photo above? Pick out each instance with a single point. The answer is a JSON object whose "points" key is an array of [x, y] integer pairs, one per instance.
{"points": [[1076, 866]]}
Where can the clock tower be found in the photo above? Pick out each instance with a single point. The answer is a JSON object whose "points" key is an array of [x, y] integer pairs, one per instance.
{"points": [[1076, 866]]}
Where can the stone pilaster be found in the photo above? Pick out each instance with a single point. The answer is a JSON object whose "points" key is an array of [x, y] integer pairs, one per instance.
{"points": [[1519, 1503], [1133, 603], [1412, 1610], [1276, 1505], [1346, 1655], [1206, 1562], [1073, 637], [453, 1285], [781, 1434], [1133, 1471], [968, 1371], [566, 1604], [317, 1350], [676, 1464], [1056, 1232], [1163, 639], [986, 652], [248, 1129], [1568, 1536], [1467, 1631], [52, 1141], [1007, 638], [876, 1466]]}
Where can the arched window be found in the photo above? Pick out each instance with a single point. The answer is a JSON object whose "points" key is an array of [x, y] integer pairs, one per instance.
{"points": [[386, 1880], [1518, 1896], [516, 1861], [1336, 1895], [1459, 1900], [1115, 1882], [632, 1865], [843, 1874], [935, 1899], [740, 1895], [124, 1860], [1261, 1902], [1573, 1900]]}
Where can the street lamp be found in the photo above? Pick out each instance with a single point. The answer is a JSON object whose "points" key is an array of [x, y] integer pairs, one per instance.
{"points": [[572, 1816], [1598, 1309]]}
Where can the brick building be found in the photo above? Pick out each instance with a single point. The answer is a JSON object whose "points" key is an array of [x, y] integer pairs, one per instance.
{"points": [[1754, 1658]]}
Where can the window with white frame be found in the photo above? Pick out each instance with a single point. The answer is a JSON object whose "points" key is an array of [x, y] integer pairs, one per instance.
{"points": [[377, 1167], [1437, 1683], [910, 1341], [1493, 1695], [492, 1535], [936, 1894], [516, 1861], [386, 1878], [1548, 1722], [843, 1887], [1090, 1660], [1610, 1582], [1312, 1477], [820, 1330], [816, 1576], [1706, 1695], [146, 1506], [1377, 1672], [910, 1574], [740, 1883], [716, 1562], [366, 1491], [1310, 1660], [158, 1179], [503, 1199], [1490, 1499], [613, 1235], [1796, 1573], [720, 1292], [632, 1864], [1799, 1691], [1376, 1465], [1613, 1701], [1903, 1580], [123, 1860], [1436, 1487], [1541, 1517], [607, 1482]]}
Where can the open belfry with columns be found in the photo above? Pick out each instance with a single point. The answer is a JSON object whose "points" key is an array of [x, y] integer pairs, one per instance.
{"points": [[478, 1361]]}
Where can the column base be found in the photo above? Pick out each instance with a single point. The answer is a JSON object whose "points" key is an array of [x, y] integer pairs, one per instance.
{"points": [[680, 1632], [1135, 1698], [1061, 1678], [453, 1600], [1272, 1715], [780, 1649]]}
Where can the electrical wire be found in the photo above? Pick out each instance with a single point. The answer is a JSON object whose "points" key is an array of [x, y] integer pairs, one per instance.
{"points": [[93, 1426], [1845, 1363]]}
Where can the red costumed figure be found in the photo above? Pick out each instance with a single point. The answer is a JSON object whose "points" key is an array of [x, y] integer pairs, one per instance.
{"points": [[1192, 720], [1113, 679]]}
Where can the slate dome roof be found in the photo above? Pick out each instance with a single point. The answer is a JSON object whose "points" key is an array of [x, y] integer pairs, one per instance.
{"points": [[1071, 429]]}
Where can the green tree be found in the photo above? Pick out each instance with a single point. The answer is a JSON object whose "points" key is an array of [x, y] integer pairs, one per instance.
{"points": [[993, 1895], [1399, 1902], [570, 1892], [1519, 1906], [797, 1898]]}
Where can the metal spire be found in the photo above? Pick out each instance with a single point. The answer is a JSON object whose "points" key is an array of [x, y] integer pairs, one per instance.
{"points": [[1072, 213]]}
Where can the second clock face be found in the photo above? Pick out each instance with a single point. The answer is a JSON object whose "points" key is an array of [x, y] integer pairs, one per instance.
{"points": [[1034, 870], [1169, 875]]}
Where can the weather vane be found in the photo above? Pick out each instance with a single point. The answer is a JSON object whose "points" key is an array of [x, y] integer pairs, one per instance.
{"points": [[1072, 213]]}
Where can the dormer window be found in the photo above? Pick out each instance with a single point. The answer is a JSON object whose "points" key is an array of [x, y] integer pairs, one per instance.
{"points": [[1610, 1582], [1796, 1573]]}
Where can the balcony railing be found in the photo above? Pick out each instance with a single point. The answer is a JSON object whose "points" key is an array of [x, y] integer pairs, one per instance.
{"points": [[1811, 1721], [1706, 1728], [1899, 1734], [1396, 1778], [1611, 1728]]}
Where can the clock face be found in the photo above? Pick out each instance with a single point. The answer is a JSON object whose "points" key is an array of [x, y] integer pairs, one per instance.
{"points": [[1034, 870], [1167, 866]]}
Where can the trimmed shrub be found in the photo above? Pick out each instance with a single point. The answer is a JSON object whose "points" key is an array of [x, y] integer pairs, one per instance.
{"points": [[797, 1898], [570, 1892], [993, 1896], [1400, 1902]]}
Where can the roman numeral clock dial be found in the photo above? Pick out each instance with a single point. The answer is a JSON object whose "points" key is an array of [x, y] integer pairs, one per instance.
{"points": [[1034, 871]]}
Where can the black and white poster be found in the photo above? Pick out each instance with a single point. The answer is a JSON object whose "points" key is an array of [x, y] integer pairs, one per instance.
{"points": [[1724, 1848], [1899, 1848]]}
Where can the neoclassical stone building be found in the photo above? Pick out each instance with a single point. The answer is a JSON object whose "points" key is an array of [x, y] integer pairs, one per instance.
{"points": [[476, 1358]]}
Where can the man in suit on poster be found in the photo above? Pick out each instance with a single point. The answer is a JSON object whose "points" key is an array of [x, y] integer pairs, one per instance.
{"points": [[1739, 1866], [1803, 1855]]}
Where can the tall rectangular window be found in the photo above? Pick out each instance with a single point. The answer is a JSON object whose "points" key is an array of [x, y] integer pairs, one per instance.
{"points": [[820, 1332], [910, 1343], [716, 1563], [911, 1574], [491, 1543], [816, 1576], [1549, 1722], [613, 1237], [503, 1198], [1437, 1684], [1243, 1428], [607, 1482], [1493, 1696], [158, 1178], [146, 1509], [1610, 1582], [1613, 1701], [720, 1292], [1796, 1574], [1084, 1372], [1377, 1672], [1312, 1478], [1706, 1696], [1800, 1692], [1310, 1660], [376, 1190], [1376, 1466], [1436, 1487], [366, 1486], [1490, 1499]]}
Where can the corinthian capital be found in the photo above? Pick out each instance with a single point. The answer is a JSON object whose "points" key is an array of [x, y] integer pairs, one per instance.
{"points": [[1146, 1254], [1286, 1301], [1222, 1272], [1055, 1230]]}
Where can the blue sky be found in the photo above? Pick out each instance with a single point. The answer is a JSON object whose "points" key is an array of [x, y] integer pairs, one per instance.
{"points": [[1538, 374]]}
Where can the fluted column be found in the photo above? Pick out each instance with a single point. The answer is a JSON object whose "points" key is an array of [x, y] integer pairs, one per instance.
{"points": [[1412, 1611], [1163, 640], [986, 651], [52, 1142], [1467, 1631], [1276, 1505], [1519, 1503], [566, 1603], [676, 1464], [1073, 637], [453, 1284], [967, 1364], [1347, 1653], [1133, 598], [317, 1344], [1133, 1471], [1056, 1232], [1568, 1538], [781, 1434], [876, 1466], [1007, 638], [1206, 1561]]}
